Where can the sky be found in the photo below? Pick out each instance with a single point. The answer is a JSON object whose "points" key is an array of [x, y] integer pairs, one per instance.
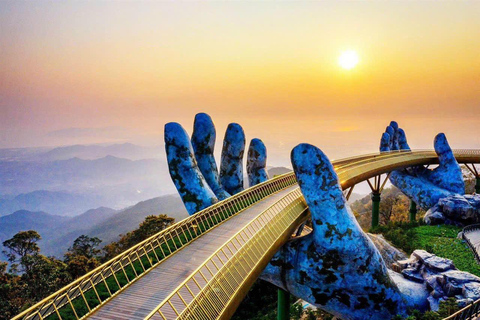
{"points": [[97, 72]]}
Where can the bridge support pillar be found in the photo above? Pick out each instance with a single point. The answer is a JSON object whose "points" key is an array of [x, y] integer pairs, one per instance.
{"points": [[413, 211], [477, 185], [283, 305], [375, 208], [377, 187]]}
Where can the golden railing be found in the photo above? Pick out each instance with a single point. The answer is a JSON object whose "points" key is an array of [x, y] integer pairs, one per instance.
{"points": [[472, 311], [355, 171], [89, 292], [214, 289]]}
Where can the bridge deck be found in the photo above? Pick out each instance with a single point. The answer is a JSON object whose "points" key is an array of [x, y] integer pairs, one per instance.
{"points": [[138, 300]]}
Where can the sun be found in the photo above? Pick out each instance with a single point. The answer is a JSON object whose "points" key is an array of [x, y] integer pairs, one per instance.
{"points": [[348, 59]]}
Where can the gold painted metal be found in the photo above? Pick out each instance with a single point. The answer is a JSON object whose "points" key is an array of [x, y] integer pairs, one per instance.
{"points": [[248, 260], [146, 250], [245, 262], [219, 296]]}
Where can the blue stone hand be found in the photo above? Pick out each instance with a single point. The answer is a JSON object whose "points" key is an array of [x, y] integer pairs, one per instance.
{"points": [[336, 267], [257, 162], [193, 168], [425, 186]]}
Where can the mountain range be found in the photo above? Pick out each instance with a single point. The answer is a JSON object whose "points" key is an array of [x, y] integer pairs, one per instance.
{"points": [[86, 152], [59, 232]]}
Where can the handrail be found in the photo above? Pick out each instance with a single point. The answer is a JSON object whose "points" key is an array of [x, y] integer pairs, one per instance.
{"points": [[209, 291], [468, 229], [358, 171], [472, 311], [142, 257], [118, 273]]}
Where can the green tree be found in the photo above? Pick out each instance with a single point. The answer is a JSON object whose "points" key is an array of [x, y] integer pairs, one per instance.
{"points": [[82, 256], [44, 276], [84, 246], [23, 244], [448, 307], [296, 311], [150, 226]]}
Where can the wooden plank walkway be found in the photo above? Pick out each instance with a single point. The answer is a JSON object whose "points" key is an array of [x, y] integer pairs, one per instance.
{"points": [[138, 300], [474, 237]]}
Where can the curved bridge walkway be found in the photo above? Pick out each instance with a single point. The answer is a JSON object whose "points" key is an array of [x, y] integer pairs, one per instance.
{"points": [[138, 300], [202, 267], [471, 234]]}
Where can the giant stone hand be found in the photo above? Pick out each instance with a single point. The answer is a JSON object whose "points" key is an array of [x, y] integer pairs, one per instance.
{"points": [[425, 186], [441, 189], [336, 267], [193, 168]]}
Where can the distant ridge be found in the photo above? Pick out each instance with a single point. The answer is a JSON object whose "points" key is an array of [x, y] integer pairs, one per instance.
{"points": [[89, 152], [50, 226], [276, 171]]}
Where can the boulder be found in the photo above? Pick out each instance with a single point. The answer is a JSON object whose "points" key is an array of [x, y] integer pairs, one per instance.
{"points": [[438, 264], [471, 290], [458, 208], [433, 216], [459, 277], [422, 255], [413, 274], [452, 289]]}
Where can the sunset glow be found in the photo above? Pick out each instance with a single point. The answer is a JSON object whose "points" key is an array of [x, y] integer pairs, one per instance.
{"points": [[348, 59], [273, 67]]}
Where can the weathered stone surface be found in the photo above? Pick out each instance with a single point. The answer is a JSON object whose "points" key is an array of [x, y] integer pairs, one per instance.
{"points": [[441, 278], [407, 262], [203, 143], [432, 282], [438, 264], [457, 207], [426, 187], [462, 303], [422, 255], [231, 166], [417, 293], [389, 253], [471, 290], [452, 289], [257, 162], [434, 303], [336, 267], [433, 216], [413, 274], [189, 181], [458, 276]]}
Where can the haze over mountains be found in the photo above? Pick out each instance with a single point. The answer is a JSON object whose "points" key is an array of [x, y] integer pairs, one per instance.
{"points": [[97, 190], [59, 232], [87, 152], [70, 180]]}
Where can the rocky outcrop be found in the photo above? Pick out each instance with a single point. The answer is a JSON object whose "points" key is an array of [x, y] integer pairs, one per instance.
{"points": [[441, 278], [455, 209], [389, 253]]}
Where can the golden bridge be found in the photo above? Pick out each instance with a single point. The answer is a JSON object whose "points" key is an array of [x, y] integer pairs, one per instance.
{"points": [[203, 266]]}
